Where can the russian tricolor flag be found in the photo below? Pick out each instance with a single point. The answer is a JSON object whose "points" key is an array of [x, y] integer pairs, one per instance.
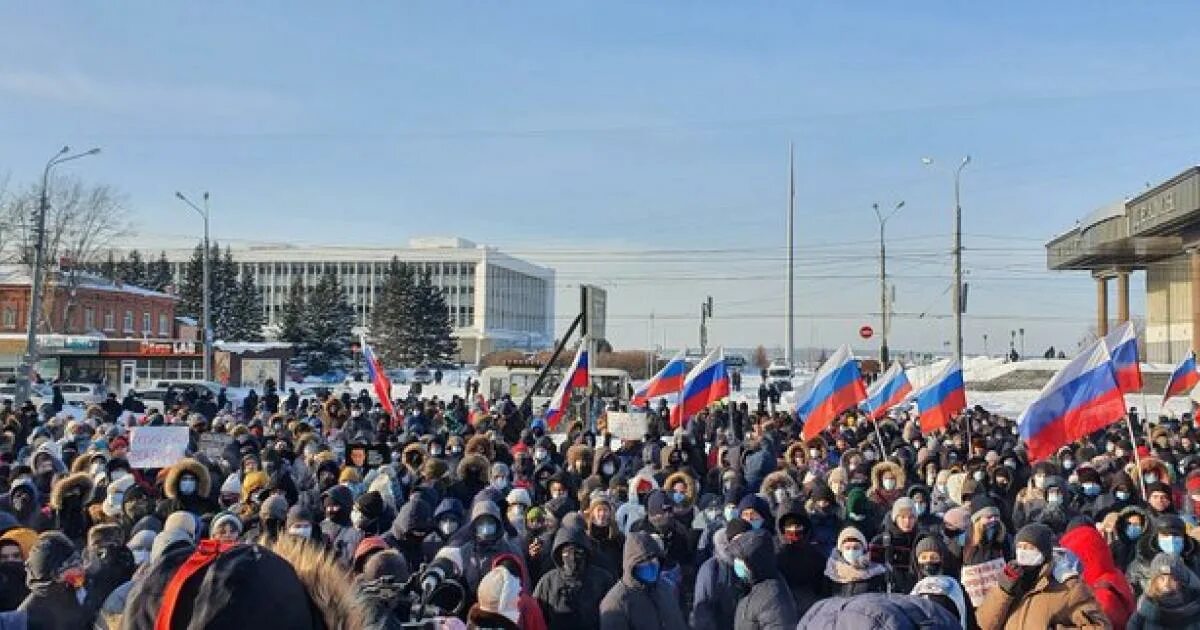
{"points": [[890, 390], [1122, 348], [669, 380], [942, 399], [705, 384], [575, 378], [837, 387], [379, 380], [1183, 379], [1082, 398]]}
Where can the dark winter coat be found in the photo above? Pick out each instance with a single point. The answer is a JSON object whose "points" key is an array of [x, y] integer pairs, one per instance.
{"points": [[717, 589], [878, 611], [477, 555], [631, 605], [801, 563], [769, 605], [408, 532], [53, 606], [570, 601]]}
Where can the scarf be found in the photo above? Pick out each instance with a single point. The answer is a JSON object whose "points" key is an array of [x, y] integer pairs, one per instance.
{"points": [[840, 571]]}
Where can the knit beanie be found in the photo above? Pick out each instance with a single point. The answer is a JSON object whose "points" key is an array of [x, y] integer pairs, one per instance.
{"points": [[275, 507], [735, 527], [105, 535], [1169, 564], [1170, 524], [232, 485], [498, 592], [657, 503], [518, 496], [1039, 536], [370, 504], [902, 505], [499, 469], [958, 518], [226, 517], [927, 543], [184, 522]]}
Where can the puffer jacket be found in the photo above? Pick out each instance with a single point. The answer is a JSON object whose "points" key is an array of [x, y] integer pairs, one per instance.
{"points": [[570, 601], [1048, 604], [1124, 549], [632, 605], [801, 563], [769, 605], [1138, 572], [478, 555], [1156, 615], [878, 611], [716, 594], [1108, 584]]}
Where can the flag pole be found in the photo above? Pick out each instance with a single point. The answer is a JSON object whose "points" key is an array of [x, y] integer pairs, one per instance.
{"points": [[1137, 458], [874, 422]]}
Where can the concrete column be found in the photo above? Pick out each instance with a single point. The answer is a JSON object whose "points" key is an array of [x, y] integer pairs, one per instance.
{"points": [[1101, 306], [1194, 259], [1122, 297]]}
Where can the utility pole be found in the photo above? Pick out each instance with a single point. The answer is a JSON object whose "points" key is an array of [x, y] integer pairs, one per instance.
{"points": [[25, 373], [789, 345], [958, 283], [207, 289], [1022, 332], [883, 301], [706, 310]]}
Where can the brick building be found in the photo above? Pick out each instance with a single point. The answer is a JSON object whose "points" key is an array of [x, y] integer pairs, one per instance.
{"points": [[84, 304]]}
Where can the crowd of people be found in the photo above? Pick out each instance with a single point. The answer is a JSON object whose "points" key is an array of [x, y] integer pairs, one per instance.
{"points": [[333, 515]]}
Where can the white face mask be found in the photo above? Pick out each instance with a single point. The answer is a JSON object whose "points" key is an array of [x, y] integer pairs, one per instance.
{"points": [[1039, 481], [357, 518], [499, 483], [889, 484], [814, 453], [304, 531], [187, 486], [1029, 557], [852, 556], [608, 469]]}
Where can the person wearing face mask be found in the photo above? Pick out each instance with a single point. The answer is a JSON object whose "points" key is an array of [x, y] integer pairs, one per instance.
{"points": [[1101, 574], [640, 599], [800, 561], [1121, 493], [448, 519], [894, 544], [678, 558], [570, 593], [1167, 534], [1172, 598], [601, 528], [46, 465], [187, 488], [472, 477], [55, 573], [1032, 498], [926, 521], [825, 517], [716, 593], [107, 564], [487, 540], [1131, 524], [409, 532], [67, 506], [849, 570], [986, 540], [336, 529], [769, 603], [24, 503], [887, 485], [1031, 594], [13, 590], [1057, 511], [779, 488], [370, 514]]}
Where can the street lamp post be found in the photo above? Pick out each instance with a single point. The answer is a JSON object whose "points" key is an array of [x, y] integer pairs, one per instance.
{"points": [[958, 284], [25, 374], [883, 306], [207, 295]]}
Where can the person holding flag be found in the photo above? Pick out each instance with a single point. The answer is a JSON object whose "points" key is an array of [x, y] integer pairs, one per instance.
{"points": [[705, 384], [379, 380]]}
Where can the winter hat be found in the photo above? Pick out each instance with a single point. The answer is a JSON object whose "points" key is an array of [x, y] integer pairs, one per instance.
{"points": [[370, 504], [1169, 524], [517, 496], [226, 517], [850, 533], [856, 502], [275, 507], [902, 505], [981, 508], [349, 475], [183, 522], [658, 503], [23, 536], [52, 553], [297, 514], [735, 527], [105, 535], [1087, 474], [498, 592], [1039, 536], [254, 482], [232, 485], [141, 541], [114, 494], [1166, 563], [958, 518], [927, 543], [499, 469], [598, 497]]}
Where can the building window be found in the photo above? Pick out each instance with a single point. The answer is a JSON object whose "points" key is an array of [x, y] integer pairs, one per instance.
{"points": [[146, 327], [108, 321], [89, 319], [128, 322], [164, 325], [10, 317]]}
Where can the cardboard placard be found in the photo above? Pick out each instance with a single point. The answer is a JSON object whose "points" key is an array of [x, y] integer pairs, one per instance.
{"points": [[628, 425], [157, 447], [213, 444], [978, 579]]}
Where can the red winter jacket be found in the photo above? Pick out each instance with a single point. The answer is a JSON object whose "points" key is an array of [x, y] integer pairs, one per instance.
{"points": [[1111, 589]]}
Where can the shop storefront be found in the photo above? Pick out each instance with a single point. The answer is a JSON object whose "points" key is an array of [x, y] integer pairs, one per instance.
{"points": [[129, 363]]}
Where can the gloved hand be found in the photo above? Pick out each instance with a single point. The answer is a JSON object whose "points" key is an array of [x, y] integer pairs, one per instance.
{"points": [[1010, 578]]}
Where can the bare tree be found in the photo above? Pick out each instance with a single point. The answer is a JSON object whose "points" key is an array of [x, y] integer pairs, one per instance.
{"points": [[82, 220]]}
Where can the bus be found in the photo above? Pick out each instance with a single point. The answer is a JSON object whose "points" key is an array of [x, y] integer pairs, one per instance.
{"points": [[517, 380]]}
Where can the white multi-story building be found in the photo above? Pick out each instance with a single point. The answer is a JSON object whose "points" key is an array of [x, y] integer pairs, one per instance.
{"points": [[495, 301]]}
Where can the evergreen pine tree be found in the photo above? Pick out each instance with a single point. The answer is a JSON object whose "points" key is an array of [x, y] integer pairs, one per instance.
{"points": [[249, 321], [291, 316], [435, 341], [191, 290], [108, 268], [158, 273], [132, 269], [327, 323], [223, 282], [393, 317]]}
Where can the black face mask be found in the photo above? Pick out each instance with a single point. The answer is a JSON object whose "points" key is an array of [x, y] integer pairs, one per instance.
{"points": [[930, 569], [574, 561]]}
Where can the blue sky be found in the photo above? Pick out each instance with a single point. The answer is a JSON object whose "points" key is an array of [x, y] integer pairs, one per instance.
{"points": [[573, 133]]}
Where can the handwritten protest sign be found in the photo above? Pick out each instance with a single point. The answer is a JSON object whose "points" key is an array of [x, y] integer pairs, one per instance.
{"points": [[157, 447], [213, 444], [627, 425], [978, 579]]}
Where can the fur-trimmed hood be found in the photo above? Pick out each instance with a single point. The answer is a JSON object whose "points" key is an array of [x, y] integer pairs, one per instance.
{"points": [[884, 466], [691, 487], [1158, 467], [579, 453], [189, 465], [779, 480], [474, 467], [795, 451], [81, 482], [480, 445], [327, 584]]}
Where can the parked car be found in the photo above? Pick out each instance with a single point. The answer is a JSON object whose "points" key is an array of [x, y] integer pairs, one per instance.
{"points": [[83, 394], [40, 394], [234, 395], [154, 399], [422, 375]]}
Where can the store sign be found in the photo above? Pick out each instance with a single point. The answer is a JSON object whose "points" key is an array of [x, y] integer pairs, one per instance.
{"points": [[157, 348], [67, 344]]}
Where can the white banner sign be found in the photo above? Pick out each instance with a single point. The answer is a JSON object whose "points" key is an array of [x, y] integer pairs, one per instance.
{"points": [[157, 447], [978, 579], [628, 425]]}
